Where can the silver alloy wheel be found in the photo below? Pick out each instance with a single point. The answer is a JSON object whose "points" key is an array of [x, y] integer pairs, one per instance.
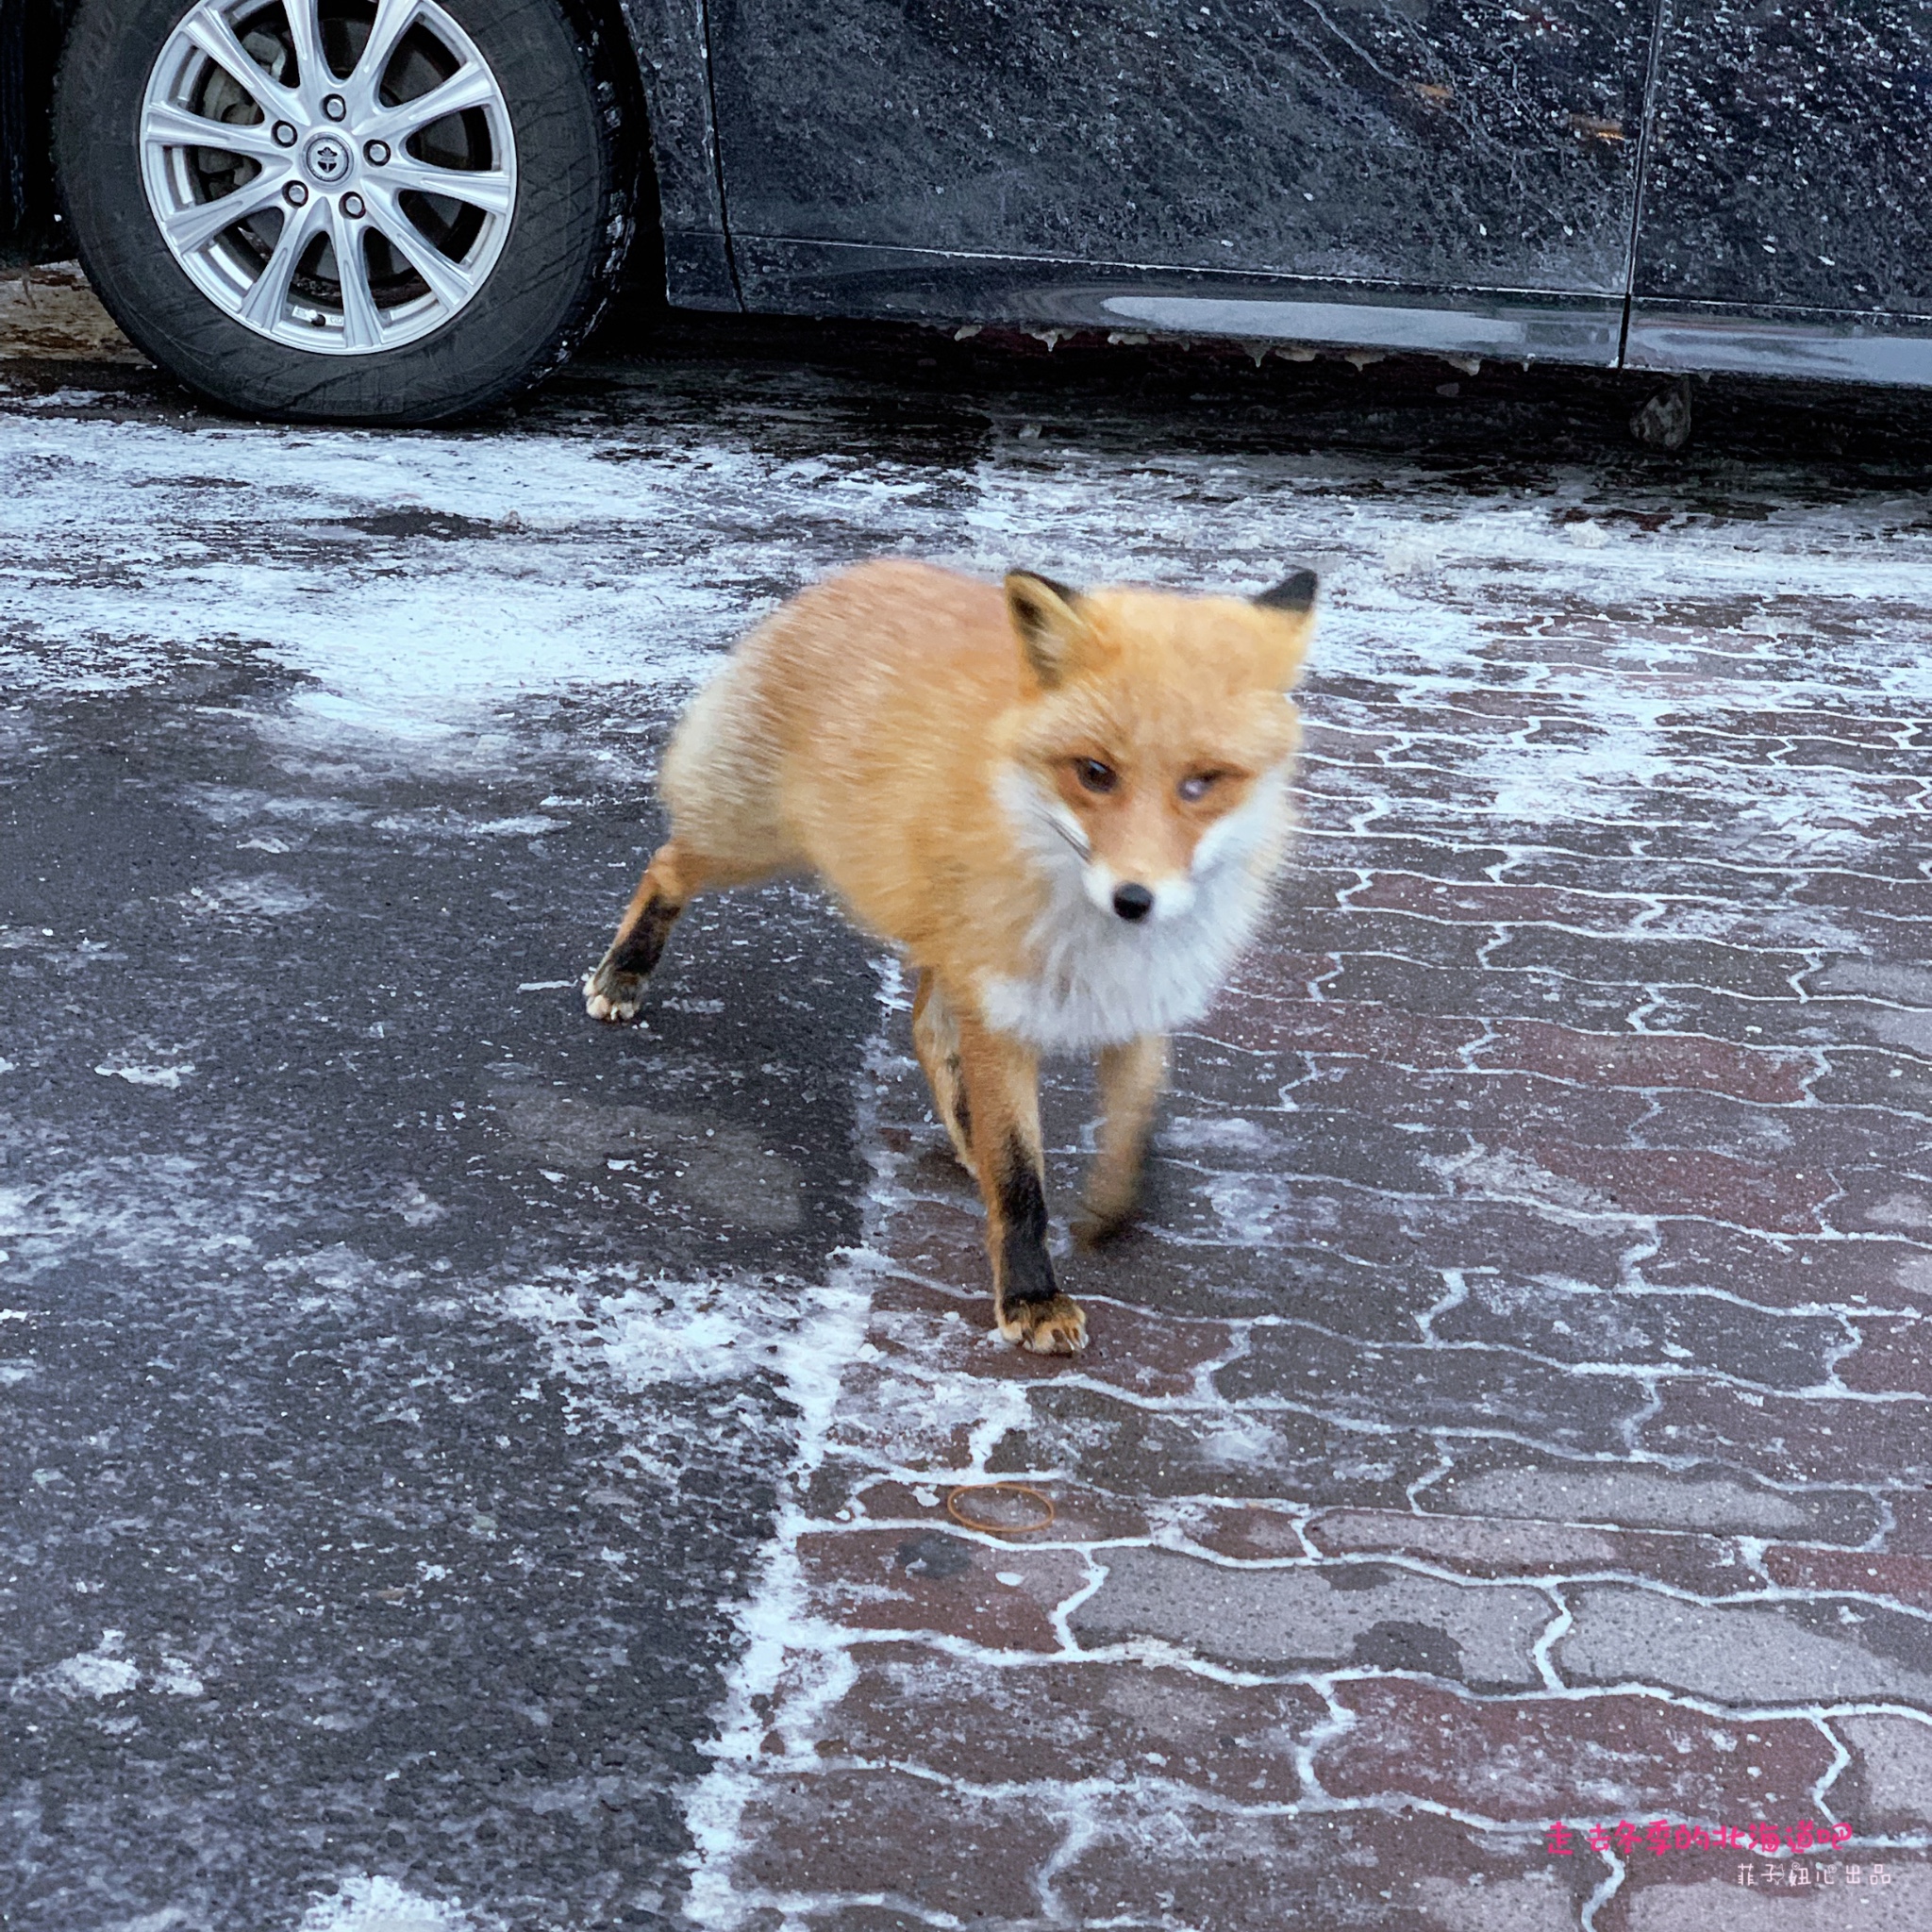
{"points": [[336, 174]]}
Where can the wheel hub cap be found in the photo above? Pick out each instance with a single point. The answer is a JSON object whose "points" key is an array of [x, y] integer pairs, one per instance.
{"points": [[336, 175], [327, 159]]}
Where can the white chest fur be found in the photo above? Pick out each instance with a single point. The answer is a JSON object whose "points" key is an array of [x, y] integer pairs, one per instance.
{"points": [[1094, 980]]}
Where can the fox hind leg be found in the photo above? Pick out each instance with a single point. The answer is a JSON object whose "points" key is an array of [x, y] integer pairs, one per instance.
{"points": [[936, 1040], [1130, 1082]]}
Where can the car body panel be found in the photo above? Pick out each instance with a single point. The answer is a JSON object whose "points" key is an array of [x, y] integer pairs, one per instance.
{"points": [[1787, 212], [668, 37], [1448, 144], [1265, 311]]}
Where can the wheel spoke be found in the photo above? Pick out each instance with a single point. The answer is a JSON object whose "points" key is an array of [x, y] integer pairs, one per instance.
{"points": [[262, 304], [448, 281], [304, 33], [174, 127], [394, 19], [191, 228], [208, 27], [468, 87], [361, 319], [486, 187]]}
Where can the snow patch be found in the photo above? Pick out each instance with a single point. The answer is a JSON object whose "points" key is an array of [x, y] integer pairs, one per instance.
{"points": [[102, 1671], [380, 1904], [170, 1076]]}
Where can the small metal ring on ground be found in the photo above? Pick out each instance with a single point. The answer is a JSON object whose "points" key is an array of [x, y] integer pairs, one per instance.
{"points": [[960, 1515]]}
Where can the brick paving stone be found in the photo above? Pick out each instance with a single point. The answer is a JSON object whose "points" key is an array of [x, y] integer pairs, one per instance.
{"points": [[1904, 1579], [1481, 902], [1748, 1656], [1357, 928], [1645, 1061], [1794, 1439], [1878, 1200], [1835, 1139], [919, 1844], [1446, 992], [1390, 1036], [1352, 1293], [1492, 1108], [1504, 1546], [1663, 1182], [1854, 1076], [1556, 1319], [1895, 1353], [1060, 1724], [1081, 1515], [1674, 1899], [1243, 1532], [1283, 1618], [1685, 1009], [1593, 1760], [1349, 1871], [1175, 1453], [1433, 1387], [899, 1579], [844, 1917], [1887, 1786], [1783, 1274], [1644, 960], [1912, 1522]]}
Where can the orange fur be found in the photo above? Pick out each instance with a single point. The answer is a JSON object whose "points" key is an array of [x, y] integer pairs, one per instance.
{"points": [[960, 766]]}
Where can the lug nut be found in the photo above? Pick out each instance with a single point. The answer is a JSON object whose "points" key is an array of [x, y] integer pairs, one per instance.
{"points": [[376, 154], [284, 134], [352, 206], [297, 193], [334, 107]]}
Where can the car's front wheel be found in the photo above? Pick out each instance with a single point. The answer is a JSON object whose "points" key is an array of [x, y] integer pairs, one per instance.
{"points": [[361, 211]]}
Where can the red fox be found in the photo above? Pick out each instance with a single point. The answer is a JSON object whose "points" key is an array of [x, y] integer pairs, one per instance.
{"points": [[1064, 806]]}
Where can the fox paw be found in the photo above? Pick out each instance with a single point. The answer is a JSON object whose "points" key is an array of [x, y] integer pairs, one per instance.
{"points": [[612, 996], [1050, 1328], [1093, 1227]]}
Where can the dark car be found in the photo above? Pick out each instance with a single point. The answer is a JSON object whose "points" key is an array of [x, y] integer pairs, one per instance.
{"points": [[400, 210]]}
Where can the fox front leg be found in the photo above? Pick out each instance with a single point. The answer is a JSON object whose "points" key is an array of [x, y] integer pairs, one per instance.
{"points": [[1130, 1083], [615, 988], [1002, 1083], [936, 1040]]}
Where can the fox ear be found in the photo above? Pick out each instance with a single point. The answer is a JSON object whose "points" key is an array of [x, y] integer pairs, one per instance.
{"points": [[1293, 597], [1047, 617]]}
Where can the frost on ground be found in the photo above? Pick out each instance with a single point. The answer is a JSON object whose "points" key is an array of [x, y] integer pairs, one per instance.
{"points": [[1521, 1354]]}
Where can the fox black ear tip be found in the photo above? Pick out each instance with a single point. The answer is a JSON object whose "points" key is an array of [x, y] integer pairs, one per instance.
{"points": [[1065, 593], [1296, 594]]}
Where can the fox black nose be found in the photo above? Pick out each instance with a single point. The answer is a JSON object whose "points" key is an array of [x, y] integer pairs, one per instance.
{"points": [[1133, 902]]}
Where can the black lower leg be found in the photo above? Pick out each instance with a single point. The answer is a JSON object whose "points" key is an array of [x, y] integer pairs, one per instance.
{"points": [[1025, 1270], [962, 1114], [637, 951]]}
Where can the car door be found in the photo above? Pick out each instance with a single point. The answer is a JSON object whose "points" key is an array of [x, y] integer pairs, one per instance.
{"points": [[1788, 194], [1074, 160]]}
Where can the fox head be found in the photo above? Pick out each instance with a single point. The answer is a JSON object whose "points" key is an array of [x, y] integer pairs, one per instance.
{"points": [[1156, 733]]}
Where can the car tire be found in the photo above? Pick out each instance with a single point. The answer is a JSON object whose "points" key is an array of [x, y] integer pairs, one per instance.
{"points": [[418, 331]]}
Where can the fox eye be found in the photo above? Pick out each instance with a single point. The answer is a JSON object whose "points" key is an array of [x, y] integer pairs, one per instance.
{"points": [[1094, 775], [1196, 785]]}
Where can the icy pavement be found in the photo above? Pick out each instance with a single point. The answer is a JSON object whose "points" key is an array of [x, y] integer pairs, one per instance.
{"points": [[472, 1470]]}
